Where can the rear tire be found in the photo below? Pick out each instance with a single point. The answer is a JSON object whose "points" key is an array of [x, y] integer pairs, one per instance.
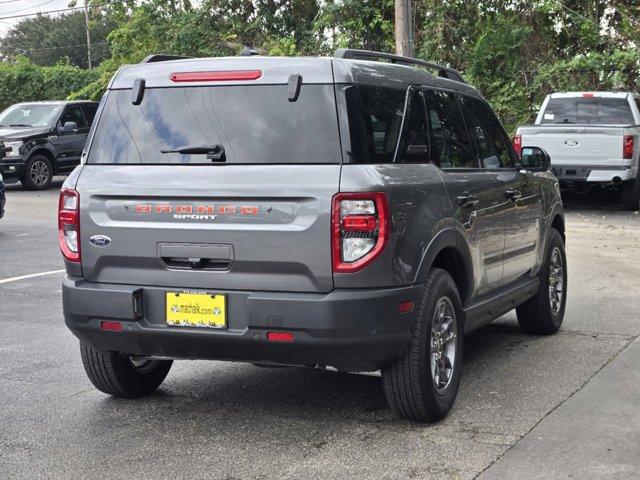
{"points": [[543, 314], [631, 194], [122, 376], [422, 385], [38, 173]]}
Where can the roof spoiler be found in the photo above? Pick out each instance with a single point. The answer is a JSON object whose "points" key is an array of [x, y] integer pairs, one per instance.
{"points": [[444, 72], [161, 57]]}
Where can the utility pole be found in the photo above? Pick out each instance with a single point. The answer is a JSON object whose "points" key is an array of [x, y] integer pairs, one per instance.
{"points": [[404, 28], [86, 24]]}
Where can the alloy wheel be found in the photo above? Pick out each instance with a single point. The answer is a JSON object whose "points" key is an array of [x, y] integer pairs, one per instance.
{"points": [[39, 173], [556, 280], [443, 344]]}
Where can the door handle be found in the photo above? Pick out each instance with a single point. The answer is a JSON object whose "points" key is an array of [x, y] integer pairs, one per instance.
{"points": [[513, 194], [466, 199]]}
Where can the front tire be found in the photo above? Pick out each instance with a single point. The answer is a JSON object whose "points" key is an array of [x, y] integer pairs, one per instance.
{"points": [[123, 376], [38, 173], [543, 314], [422, 385], [631, 194]]}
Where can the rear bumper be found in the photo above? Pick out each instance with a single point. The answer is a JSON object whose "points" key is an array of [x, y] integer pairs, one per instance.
{"points": [[351, 330], [594, 174]]}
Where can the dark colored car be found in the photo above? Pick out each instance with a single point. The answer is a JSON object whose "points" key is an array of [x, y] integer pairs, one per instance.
{"points": [[41, 139], [336, 212]]}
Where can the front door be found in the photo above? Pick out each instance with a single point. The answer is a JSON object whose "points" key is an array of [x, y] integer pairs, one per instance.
{"points": [[69, 145]]}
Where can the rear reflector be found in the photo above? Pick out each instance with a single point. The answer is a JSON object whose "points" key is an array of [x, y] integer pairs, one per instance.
{"points": [[220, 76], [405, 307], [588, 95], [111, 326], [280, 336]]}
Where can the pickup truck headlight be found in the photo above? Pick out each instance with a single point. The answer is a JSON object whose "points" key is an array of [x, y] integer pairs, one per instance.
{"points": [[15, 149]]}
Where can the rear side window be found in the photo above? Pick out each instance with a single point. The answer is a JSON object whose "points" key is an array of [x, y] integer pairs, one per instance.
{"points": [[493, 145], [588, 111], [375, 120], [450, 143], [414, 143], [254, 124]]}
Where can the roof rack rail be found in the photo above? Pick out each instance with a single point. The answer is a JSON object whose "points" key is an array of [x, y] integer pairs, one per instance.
{"points": [[161, 57], [444, 72]]}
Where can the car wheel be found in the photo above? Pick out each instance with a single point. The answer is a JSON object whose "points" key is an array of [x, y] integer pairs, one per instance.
{"points": [[121, 375], [38, 173], [543, 314], [631, 194], [422, 385]]}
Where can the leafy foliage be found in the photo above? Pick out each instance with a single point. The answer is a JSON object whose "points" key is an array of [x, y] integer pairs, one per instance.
{"points": [[24, 81]]}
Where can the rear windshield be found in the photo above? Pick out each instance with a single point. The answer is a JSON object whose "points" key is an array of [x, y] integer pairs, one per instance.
{"points": [[254, 124], [588, 111]]}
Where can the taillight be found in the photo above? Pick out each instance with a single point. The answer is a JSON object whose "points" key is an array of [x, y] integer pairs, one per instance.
{"points": [[517, 144], [627, 147], [360, 229], [69, 224]]}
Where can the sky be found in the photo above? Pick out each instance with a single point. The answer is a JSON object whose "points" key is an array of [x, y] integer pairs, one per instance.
{"points": [[19, 7]]}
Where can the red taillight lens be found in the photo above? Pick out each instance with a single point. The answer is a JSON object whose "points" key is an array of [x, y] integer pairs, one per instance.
{"points": [[69, 224], [517, 144], [219, 76], [360, 229], [627, 147]]}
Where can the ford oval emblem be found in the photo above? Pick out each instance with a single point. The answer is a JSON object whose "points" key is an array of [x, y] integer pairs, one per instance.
{"points": [[100, 240], [571, 143]]}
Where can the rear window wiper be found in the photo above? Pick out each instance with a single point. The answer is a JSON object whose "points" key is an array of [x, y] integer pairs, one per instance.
{"points": [[213, 152]]}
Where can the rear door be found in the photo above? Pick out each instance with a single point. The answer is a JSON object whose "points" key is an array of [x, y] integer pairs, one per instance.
{"points": [[258, 221], [520, 190], [476, 194]]}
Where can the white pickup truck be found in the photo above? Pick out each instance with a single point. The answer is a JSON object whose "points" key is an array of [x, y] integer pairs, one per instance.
{"points": [[592, 138]]}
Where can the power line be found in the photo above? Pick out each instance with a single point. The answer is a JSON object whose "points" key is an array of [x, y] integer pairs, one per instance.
{"points": [[63, 10], [29, 8], [60, 47]]}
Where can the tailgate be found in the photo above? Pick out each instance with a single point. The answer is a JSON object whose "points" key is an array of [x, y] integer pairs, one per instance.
{"points": [[577, 145], [249, 227]]}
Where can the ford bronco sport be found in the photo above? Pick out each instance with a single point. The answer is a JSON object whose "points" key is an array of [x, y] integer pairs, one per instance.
{"points": [[354, 212]]}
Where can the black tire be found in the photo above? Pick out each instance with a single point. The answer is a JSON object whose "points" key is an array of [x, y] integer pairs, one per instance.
{"points": [[409, 383], [539, 315], [631, 194], [116, 374], [38, 173]]}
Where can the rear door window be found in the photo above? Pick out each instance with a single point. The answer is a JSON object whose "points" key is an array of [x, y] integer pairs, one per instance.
{"points": [[254, 124], [492, 144], [414, 144], [588, 111], [450, 143]]}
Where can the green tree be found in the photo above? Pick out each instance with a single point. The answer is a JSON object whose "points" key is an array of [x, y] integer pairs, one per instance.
{"points": [[47, 40]]}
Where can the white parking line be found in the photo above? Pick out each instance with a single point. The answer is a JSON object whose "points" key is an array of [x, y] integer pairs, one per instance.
{"points": [[33, 275]]}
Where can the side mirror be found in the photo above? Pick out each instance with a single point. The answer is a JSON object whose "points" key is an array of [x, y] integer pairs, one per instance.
{"points": [[535, 159], [69, 127]]}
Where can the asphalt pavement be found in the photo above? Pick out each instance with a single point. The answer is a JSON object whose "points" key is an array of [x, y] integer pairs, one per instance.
{"points": [[528, 406]]}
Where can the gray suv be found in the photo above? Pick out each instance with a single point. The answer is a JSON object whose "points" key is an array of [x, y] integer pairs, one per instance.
{"points": [[354, 212]]}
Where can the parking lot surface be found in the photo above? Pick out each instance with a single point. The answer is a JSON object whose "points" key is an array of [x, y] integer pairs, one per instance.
{"points": [[235, 421]]}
